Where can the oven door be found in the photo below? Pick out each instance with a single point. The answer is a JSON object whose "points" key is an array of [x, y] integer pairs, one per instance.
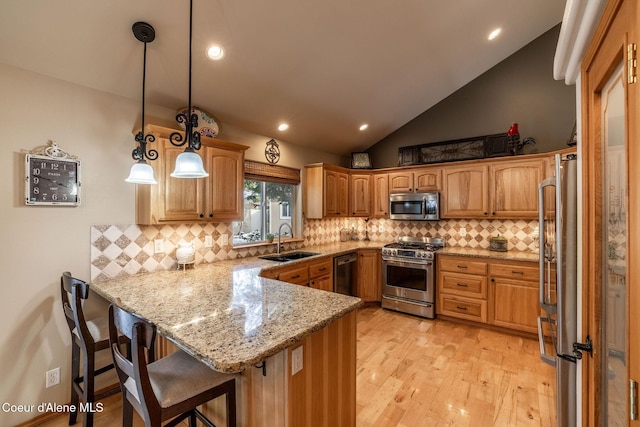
{"points": [[408, 279]]}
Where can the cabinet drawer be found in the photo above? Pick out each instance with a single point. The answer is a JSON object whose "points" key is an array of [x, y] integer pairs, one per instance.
{"points": [[324, 283], [320, 268], [463, 308], [461, 265], [299, 276], [516, 272], [463, 284]]}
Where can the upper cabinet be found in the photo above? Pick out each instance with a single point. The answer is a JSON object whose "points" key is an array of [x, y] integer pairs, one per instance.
{"points": [[514, 188], [218, 197], [417, 180], [464, 192], [501, 189], [380, 207], [325, 191], [360, 193]]}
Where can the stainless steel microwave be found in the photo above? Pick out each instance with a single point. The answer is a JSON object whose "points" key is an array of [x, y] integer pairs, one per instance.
{"points": [[415, 206]]}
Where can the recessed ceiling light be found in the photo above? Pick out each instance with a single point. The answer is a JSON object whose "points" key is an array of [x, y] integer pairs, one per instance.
{"points": [[495, 33], [364, 126], [283, 126], [215, 52]]}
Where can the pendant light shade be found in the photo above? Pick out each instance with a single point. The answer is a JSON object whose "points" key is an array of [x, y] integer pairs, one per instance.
{"points": [[189, 165], [141, 173]]}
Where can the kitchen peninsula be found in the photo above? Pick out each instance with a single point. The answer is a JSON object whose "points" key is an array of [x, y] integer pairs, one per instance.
{"points": [[228, 317]]}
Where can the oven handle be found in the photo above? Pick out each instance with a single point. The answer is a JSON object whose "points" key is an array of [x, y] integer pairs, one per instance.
{"points": [[423, 265]]}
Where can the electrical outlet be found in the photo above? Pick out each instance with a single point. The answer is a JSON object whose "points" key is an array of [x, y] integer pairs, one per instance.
{"points": [[52, 377], [381, 229], [158, 246], [225, 239], [208, 241], [296, 360], [462, 232]]}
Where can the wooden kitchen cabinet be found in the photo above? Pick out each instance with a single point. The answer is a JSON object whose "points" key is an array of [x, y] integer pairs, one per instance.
{"points": [[417, 180], [360, 193], [317, 273], [514, 295], [325, 191], [465, 192], [368, 275], [462, 288], [380, 195], [501, 189], [501, 293], [513, 188], [218, 197]]}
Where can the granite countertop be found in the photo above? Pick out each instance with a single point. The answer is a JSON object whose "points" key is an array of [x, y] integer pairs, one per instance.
{"points": [[225, 314], [486, 253]]}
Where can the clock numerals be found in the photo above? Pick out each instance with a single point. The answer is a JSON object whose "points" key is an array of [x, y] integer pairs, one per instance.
{"points": [[52, 181]]}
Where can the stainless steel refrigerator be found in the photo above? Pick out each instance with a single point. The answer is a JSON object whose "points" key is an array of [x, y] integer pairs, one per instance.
{"points": [[557, 328]]}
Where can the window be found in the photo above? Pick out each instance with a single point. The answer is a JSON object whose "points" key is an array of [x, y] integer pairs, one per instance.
{"points": [[269, 201]]}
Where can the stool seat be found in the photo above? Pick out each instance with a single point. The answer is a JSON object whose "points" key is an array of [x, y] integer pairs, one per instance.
{"points": [[99, 330]]}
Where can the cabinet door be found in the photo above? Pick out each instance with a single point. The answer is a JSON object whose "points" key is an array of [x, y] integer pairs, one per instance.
{"points": [[465, 192], [179, 199], [427, 179], [336, 193], [324, 283], [369, 284], [514, 188], [380, 196], [360, 194], [514, 304], [225, 198], [400, 182]]}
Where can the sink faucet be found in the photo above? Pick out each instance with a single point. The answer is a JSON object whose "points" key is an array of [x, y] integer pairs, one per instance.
{"points": [[280, 234]]}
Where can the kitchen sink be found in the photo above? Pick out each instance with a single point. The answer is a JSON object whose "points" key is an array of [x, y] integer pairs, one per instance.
{"points": [[291, 256]]}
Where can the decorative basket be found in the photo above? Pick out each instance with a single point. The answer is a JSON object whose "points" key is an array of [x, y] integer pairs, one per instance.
{"points": [[498, 244]]}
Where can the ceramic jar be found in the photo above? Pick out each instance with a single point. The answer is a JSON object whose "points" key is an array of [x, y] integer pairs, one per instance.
{"points": [[185, 253]]}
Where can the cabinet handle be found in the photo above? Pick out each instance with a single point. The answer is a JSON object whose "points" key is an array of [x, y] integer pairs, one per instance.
{"points": [[517, 272], [486, 213], [211, 215], [411, 189], [201, 215], [493, 280], [464, 285], [493, 213], [353, 213], [296, 276], [322, 269], [461, 308], [462, 266]]}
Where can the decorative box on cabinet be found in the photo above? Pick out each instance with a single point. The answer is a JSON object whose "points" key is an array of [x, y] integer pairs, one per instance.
{"points": [[218, 197]]}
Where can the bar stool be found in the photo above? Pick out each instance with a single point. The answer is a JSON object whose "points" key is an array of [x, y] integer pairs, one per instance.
{"points": [[170, 388], [87, 338]]}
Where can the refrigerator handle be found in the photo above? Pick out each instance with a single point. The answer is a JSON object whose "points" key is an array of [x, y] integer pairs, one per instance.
{"points": [[549, 182], [543, 350]]}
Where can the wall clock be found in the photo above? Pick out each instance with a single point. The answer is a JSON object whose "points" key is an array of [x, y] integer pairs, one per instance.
{"points": [[52, 177]]}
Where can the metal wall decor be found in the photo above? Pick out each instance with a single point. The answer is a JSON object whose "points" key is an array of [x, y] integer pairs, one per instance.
{"points": [[272, 152], [52, 177]]}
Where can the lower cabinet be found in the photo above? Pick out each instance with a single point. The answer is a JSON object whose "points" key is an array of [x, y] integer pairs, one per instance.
{"points": [[368, 275], [317, 274], [502, 293]]}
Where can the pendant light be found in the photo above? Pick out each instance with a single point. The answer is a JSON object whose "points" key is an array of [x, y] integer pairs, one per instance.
{"points": [[188, 164], [142, 172]]}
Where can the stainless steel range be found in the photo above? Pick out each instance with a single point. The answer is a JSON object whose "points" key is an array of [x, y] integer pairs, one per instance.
{"points": [[408, 275]]}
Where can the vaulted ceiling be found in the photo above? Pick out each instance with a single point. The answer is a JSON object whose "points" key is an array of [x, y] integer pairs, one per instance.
{"points": [[324, 67]]}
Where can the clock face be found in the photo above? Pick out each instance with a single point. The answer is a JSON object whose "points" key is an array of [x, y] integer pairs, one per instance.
{"points": [[51, 181]]}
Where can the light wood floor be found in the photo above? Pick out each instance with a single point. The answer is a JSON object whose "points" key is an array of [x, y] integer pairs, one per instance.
{"points": [[416, 372]]}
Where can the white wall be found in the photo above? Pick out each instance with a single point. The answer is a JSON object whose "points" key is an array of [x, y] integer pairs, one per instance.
{"points": [[39, 243]]}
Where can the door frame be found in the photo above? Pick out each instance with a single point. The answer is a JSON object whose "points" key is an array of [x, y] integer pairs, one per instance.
{"points": [[616, 29]]}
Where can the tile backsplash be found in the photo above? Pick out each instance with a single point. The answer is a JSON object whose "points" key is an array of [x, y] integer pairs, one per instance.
{"points": [[118, 250]]}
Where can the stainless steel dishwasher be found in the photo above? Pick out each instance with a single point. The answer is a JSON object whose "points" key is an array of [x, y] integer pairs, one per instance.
{"points": [[344, 273]]}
